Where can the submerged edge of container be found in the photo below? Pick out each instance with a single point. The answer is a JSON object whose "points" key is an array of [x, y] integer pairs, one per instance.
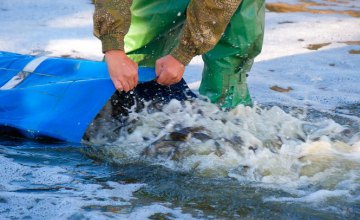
{"points": [[59, 99]]}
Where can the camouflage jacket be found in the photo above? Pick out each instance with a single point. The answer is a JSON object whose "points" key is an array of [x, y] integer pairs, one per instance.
{"points": [[206, 21]]}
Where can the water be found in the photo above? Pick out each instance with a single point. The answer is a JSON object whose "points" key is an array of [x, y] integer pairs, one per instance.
{"points": [[302, 164], [249, 163]]}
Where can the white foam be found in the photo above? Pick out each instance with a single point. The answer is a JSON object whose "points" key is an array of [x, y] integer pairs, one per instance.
{"points": [[55, 194], [316, 197], [84, 200], [146, 212], [50, 176], [275, 147], [11, 172]]}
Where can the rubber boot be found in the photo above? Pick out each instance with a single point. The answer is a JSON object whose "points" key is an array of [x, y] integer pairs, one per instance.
{"points": [[227, 64]]}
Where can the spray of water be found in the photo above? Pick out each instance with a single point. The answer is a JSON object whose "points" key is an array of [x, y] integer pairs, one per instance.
{"points": [[264, 146]]}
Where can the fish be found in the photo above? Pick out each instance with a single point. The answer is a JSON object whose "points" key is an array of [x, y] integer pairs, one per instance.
{"points": [[173, 144], [178, 144]]}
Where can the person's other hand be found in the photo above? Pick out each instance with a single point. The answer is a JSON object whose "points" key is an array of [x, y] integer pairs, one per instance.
{"points": [[169, 70], [122, 70]]}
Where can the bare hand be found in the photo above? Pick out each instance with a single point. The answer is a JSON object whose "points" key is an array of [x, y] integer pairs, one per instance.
{"points": [[122, 70], [169, 70]]}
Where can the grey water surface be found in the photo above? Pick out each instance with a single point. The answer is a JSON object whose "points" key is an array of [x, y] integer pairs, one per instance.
{"points": [[114, 179]]}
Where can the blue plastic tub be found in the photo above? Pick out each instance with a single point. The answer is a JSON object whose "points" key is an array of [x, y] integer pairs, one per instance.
{"points": [[54, 97]]}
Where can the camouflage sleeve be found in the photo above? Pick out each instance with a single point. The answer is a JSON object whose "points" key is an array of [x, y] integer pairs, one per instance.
{"points": [[112, 22], [206, 21]]}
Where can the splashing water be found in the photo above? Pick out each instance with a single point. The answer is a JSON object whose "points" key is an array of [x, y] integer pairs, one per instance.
{"points": [[315, 160]]}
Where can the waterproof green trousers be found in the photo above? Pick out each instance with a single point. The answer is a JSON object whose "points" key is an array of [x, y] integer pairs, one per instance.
{"points": [[155, 30]]}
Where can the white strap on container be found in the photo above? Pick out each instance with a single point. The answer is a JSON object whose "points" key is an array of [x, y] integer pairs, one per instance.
{"points": [[22, 75]]}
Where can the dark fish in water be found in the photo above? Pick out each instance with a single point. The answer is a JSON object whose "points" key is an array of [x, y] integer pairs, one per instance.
{"points": [[173, 145], [219, 151], [201, 136], [274, 145], [254, 149], [234, 141], [162, 147], [185, 133]]}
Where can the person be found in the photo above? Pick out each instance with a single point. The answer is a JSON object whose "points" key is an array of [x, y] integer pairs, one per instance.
{"points": [[167, 34]]}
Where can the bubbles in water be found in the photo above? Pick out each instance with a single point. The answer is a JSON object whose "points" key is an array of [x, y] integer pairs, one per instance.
{"points": [[267, 146]]}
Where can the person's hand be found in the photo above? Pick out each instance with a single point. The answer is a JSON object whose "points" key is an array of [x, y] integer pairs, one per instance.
{"points": [[122, 70], [169, 70]]}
